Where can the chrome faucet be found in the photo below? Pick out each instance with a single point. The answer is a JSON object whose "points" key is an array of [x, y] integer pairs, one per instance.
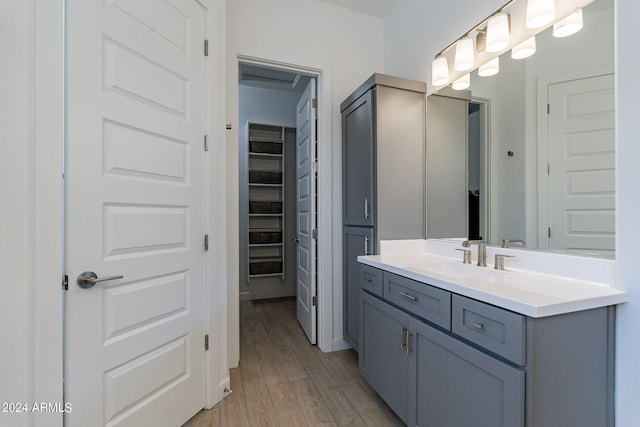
{"points": [[507, 243], [482, 250]]}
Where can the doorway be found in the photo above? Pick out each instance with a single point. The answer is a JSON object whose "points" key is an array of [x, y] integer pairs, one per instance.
{"points": [[277, 188], [477, 166]]}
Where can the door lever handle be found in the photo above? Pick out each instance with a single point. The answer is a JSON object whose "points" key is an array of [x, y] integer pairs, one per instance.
{"points": [[87, 279]]}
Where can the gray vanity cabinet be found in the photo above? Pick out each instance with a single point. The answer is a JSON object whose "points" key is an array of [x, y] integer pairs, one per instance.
{"points": [[442, 359], [356, 241], [383, 174], [383, 356], [357, 129], [454, 384], [431, 379]]}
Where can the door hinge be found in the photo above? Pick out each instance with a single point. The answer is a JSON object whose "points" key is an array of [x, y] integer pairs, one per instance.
{"points": [[206, 143], [314, 103], [206, 242], [206, 47], [206, 342], [314, 167], [314, 301], [65, 282], [314, 234], [549, 232], [548, 108], [548, 169]]}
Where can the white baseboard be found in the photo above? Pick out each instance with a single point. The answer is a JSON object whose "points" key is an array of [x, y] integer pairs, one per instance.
{"points": [[223, 386], [340, 344]]}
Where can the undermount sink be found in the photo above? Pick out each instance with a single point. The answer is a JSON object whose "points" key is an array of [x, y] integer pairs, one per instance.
{"points": [[456, 270]]}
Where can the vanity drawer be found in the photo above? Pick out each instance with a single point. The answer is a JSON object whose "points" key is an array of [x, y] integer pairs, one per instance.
{"points": [[428, 302], [498, 330], [371, 279]]}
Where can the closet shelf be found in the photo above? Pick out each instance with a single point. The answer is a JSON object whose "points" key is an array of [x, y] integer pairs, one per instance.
{"points": [[266, 193], [262, 139], [265, 207], [254, 154]]}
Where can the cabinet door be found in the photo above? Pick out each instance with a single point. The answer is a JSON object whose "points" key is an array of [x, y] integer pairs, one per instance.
{"points": [[356, 241], [357, 162], [383, 359], [457, 385]]}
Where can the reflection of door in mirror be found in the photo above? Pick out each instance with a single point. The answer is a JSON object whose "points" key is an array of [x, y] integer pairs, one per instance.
{"points": [[476, 163], [581, 171]]}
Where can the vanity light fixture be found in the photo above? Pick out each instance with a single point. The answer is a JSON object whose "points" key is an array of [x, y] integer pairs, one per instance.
{"points": [[462, 83], [490, 68], [465, 56], [569, 25], [497, 32], [524, 49], [439, 71], [540, 13]]}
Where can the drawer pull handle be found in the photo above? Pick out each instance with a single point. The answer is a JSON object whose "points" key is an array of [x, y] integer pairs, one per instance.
{"points": [[368, 279], [479, 326], [407, 296]]}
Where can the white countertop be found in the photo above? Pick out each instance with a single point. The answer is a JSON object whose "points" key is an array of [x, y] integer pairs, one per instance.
{"points": [[525, 292]]}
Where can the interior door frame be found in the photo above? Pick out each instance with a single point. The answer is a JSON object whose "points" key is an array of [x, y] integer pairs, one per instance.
{"points": [[542, 142], [327, 256], [487, 177], [48, 200], [48, 144]]}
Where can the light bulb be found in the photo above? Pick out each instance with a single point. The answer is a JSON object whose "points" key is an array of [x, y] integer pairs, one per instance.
{"points": [[490, 68], [498, 32], [569, 25], [439, 71], [540, 13], [462, 83], [465, 56], [524, 49]]}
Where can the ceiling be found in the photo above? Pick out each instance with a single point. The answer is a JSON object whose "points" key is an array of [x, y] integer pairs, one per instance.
{"points": [[270, 78], [371, 7]]}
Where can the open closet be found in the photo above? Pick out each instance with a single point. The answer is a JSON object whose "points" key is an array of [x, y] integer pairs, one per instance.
{"points": [[273, 174]]}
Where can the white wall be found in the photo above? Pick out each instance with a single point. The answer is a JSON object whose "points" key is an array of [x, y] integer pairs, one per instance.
{"points": [[415, 32], [345, 48], [16, 181], [627, 208]]}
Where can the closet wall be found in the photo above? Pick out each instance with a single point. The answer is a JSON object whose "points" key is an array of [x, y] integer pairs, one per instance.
{"points": [[268, 107]]}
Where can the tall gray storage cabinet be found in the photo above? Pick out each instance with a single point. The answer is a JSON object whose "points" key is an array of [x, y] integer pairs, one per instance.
{"points": [[383, 176]]}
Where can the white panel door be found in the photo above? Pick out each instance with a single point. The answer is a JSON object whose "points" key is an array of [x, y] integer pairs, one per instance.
{"points": [[306, 211], [135, 207], [582, 165]]}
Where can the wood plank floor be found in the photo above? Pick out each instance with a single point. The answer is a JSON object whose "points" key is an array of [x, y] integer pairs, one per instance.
{"points": [[284, 381]]}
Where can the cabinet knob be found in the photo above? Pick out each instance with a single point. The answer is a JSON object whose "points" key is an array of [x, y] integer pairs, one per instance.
{"points": [[479, 326]]}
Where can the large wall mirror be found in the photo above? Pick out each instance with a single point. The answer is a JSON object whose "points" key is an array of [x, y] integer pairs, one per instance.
{"points": [[526, 157]]}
